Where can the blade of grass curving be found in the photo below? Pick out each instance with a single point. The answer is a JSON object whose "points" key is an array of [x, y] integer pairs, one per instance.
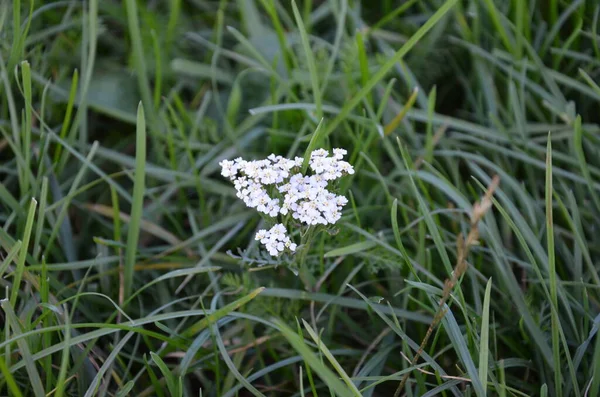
{"points": [[9, 200], [574, 223], [410, 343], [351, 249], [9, 257], [331, 358], [92, 389], [126, 389], [222, 312], [62, 226], [552, 274], [34, 376], [167, 374], [496, 17], [460, 346], [10, 380], [20, 269], [269, 6], [310, 358], [310, 61], [388, 65], [156, 384], [595, 385], [589, 81], [433, 228], [344, 302], [228, 362], [208, 255], [137, 203], [392, 125], [391, 16], [484, 347], [398, 238], [315, 139]]}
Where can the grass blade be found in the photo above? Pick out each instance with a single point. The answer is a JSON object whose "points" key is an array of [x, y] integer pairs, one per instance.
{"points": [[310, 60], [34, 376], [552, 274], [484, 349], [331, 358], [388, 65], [137, 203], [23, 253], [315, 363]]}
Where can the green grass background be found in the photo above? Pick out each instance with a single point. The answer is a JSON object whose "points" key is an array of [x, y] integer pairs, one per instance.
{"points": [[129, 266]]}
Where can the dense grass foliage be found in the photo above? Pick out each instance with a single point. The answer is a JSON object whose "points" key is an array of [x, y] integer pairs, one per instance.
{"points": [[465, 263]]}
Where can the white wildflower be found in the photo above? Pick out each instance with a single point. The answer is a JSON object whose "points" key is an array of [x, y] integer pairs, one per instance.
{"points": [[305, 197]]}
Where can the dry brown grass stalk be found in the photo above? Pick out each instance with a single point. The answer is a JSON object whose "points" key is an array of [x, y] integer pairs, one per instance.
{"points": [[463, 246]]}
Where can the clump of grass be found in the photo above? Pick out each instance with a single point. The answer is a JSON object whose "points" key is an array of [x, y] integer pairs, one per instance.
{"points": [[130, 266]]}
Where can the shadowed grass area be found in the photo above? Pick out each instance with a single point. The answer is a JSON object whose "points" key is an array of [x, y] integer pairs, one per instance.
{"points": [[465, 263]]}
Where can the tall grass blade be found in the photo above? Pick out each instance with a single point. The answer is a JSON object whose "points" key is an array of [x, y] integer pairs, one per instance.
{"points": [[137, 205]]}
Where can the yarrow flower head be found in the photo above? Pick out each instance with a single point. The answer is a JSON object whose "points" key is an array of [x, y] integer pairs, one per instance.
{"points": [[275, 186]]}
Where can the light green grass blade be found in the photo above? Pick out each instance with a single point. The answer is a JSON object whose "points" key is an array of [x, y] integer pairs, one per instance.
{"points": [[20, 268], [10, 380], [139, 58], [168, 375], [331, 358], [558, 385], [460, 346], [351, 249], [66, 354], [10, 256], [315, 363], [484, 342], [34, 376], [138, 201]]}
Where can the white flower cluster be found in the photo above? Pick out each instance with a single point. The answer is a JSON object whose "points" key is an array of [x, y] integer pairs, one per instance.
{"points": [[306, 198], [275, 240]]}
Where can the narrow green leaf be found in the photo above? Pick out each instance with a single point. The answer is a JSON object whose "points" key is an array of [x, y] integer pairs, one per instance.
{"points": [[67, 119], [138, 201], [388, 65], [23, 253], [10, 257], [167, 373], [310, 60], [10, 380], [331, 358], [126, 390], [139, 57], [558, 379], [66, 354], [315, 139], [484, 348], [25, 352], [351, 249], [222, 312], [315, 363]]}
